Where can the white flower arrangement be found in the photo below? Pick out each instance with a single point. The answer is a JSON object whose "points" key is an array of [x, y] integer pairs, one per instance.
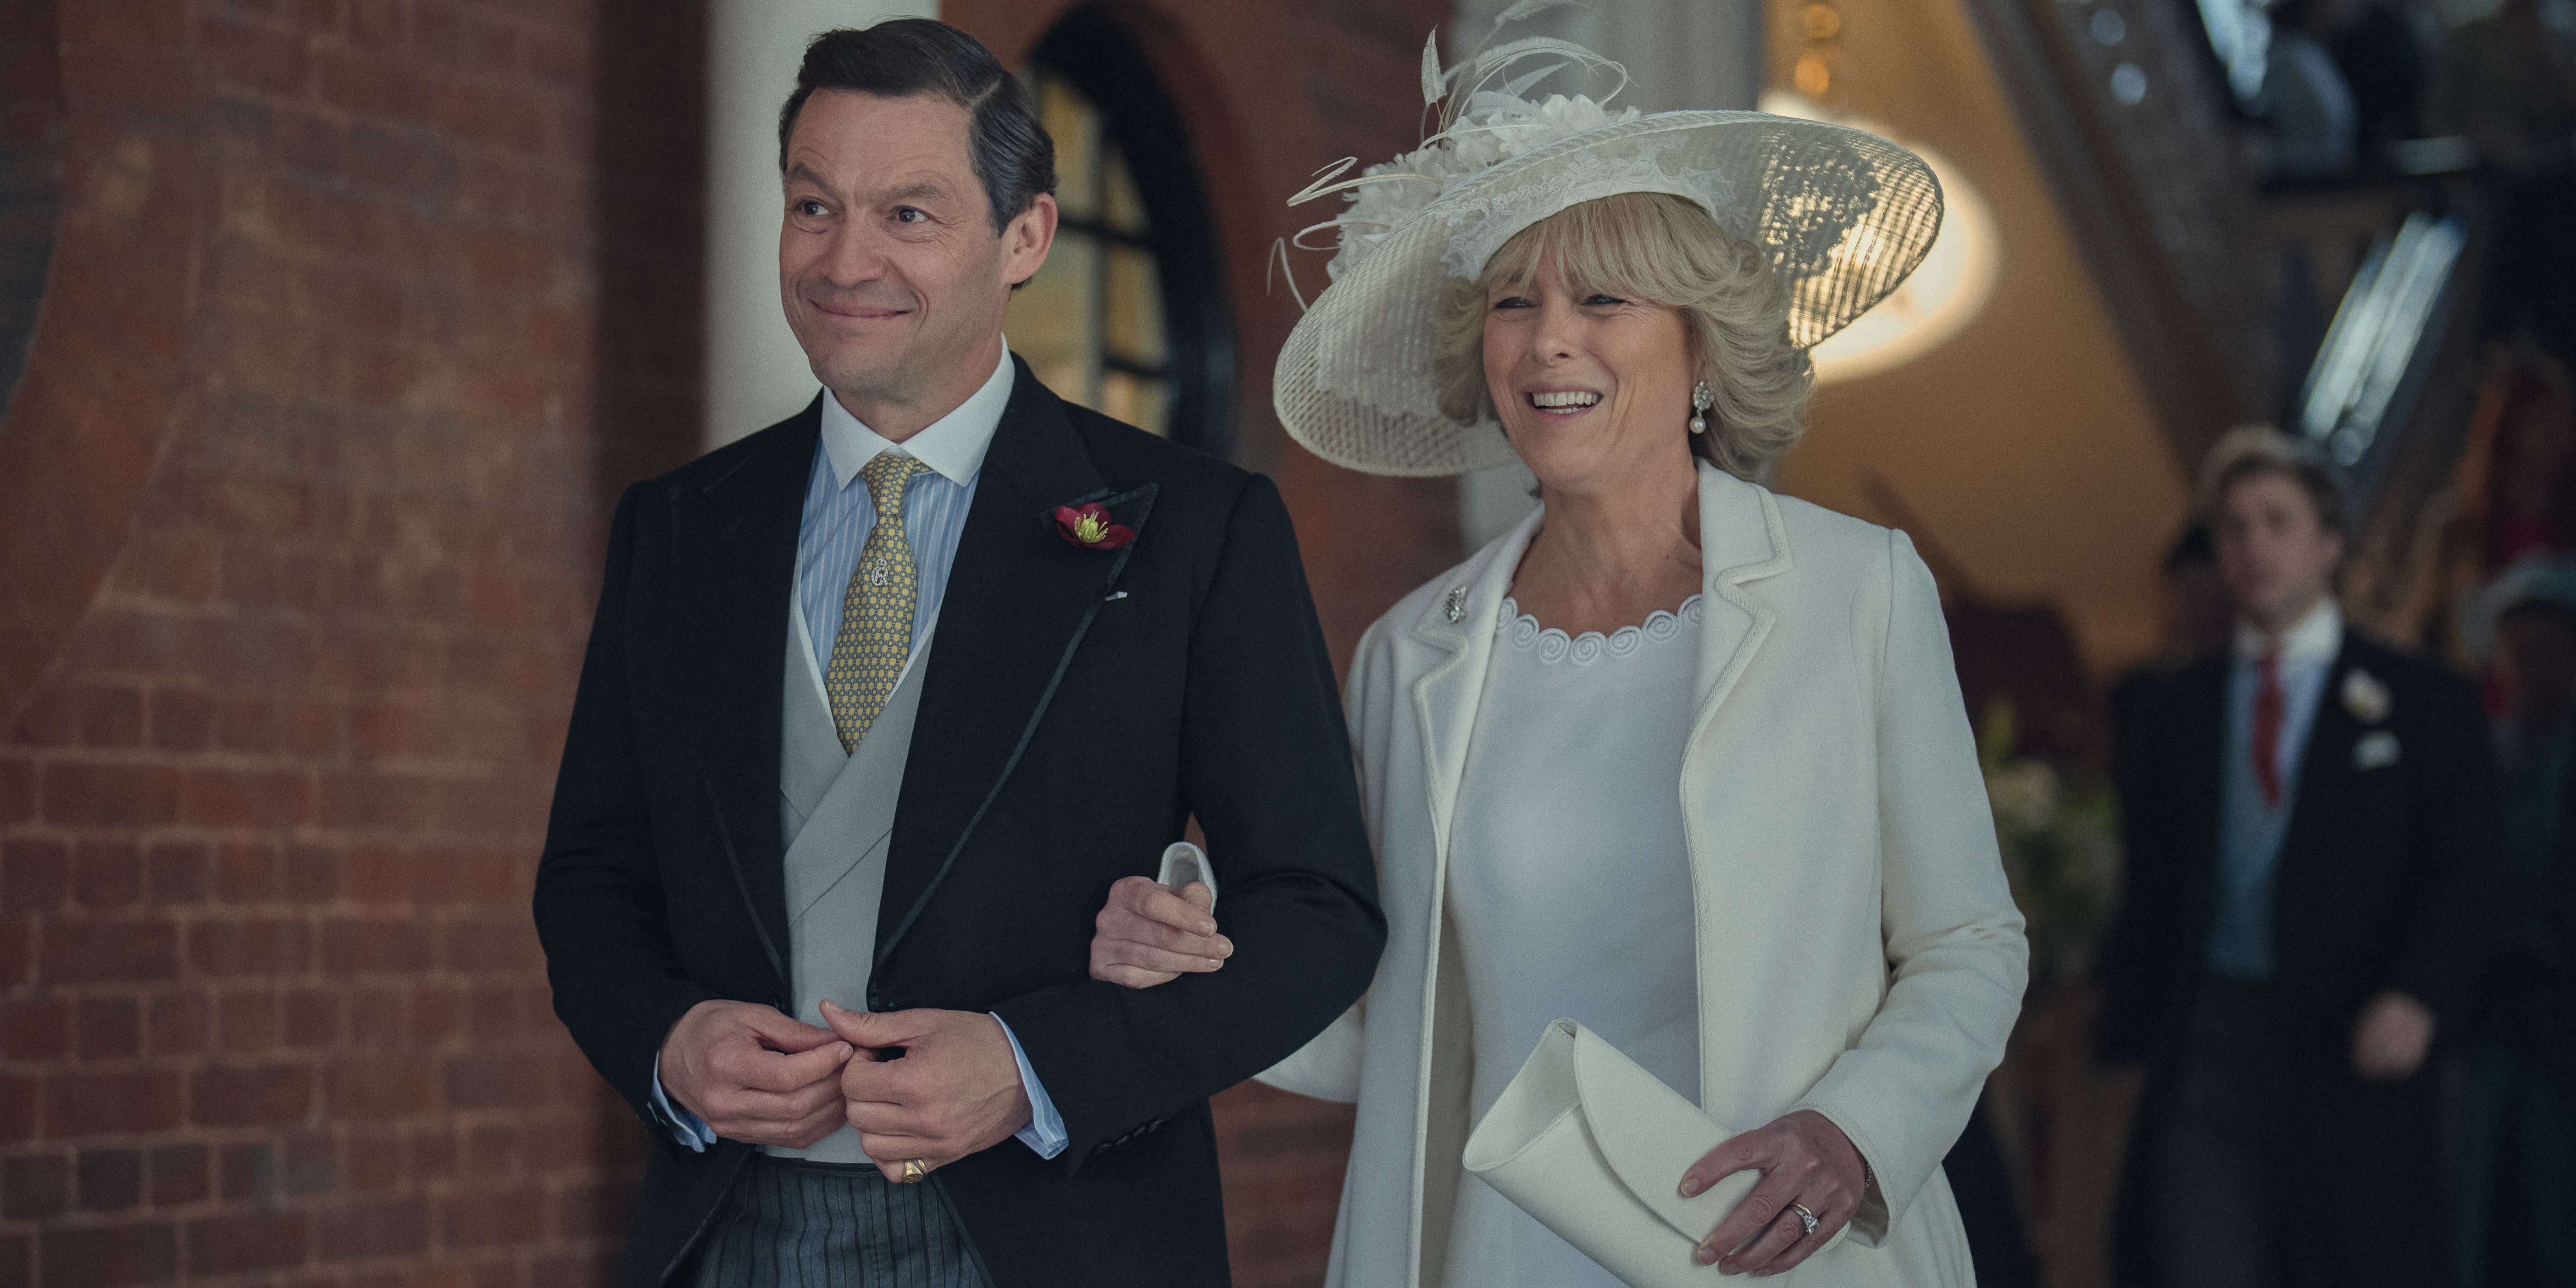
{"points": [[2060, 841], [1494, 129]]}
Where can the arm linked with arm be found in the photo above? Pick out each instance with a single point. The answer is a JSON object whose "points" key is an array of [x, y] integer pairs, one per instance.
{"points": [[1953, 937], [1282, 818], [1328, 1067]]}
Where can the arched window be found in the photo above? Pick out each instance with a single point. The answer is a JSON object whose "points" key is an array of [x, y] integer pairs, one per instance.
{"points": [[1128, 317]]}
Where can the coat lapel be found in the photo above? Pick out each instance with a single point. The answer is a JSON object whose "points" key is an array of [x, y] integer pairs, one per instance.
{"points": [[2199, 752], [735, 544], [1741, 540], [1019, 600], [2325, 766], [1446, 696]]}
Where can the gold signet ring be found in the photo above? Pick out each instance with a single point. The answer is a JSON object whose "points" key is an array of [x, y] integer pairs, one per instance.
{"points": [[913, 1170]]}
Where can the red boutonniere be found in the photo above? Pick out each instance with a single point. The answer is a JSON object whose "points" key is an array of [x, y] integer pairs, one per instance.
{"points": [[1089, 527]]}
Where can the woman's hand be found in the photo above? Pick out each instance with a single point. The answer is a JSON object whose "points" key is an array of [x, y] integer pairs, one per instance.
{"points": [[1804, 1160], [1147, 934]]}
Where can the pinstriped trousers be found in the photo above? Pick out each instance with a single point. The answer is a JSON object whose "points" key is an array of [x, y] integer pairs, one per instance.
{"points": [[790, 1223]]}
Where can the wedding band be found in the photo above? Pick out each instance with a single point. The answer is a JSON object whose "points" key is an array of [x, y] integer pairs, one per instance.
{"points": [[1805, 1217], [914, 1169]]}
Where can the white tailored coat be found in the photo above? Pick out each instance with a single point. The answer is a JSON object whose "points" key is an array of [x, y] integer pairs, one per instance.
{"points": [[1858, 949]]}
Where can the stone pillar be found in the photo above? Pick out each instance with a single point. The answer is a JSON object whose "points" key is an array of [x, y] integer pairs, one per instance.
{"points": [[756, 374]]}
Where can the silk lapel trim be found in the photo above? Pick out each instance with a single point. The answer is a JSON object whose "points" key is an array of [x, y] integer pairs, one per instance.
{"points": [[2324, 762], [1133, 508], [734, 542]]}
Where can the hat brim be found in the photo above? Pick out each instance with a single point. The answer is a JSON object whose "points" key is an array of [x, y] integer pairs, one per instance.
{"points": [[1842, 215]]}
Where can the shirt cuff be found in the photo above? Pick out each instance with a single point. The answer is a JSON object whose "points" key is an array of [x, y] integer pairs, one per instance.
{"points": [[692, 1131], [1045, 1132]]}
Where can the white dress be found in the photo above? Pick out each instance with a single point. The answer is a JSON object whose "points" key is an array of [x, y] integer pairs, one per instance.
{"points": [[1569, 883]]}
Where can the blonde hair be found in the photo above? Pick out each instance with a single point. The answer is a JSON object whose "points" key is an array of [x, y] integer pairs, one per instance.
{"points": [[1660, 248]]}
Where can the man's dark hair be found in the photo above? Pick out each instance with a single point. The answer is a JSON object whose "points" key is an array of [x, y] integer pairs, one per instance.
{"points": [[2250, 450], [2193, 549], [1010, 151]]}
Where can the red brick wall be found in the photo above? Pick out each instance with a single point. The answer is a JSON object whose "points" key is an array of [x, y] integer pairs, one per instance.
{"points": [[360, 309], [301, 497]]}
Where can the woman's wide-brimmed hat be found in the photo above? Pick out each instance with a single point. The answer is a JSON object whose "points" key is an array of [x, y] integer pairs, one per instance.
{"points": [[1842, 216]]}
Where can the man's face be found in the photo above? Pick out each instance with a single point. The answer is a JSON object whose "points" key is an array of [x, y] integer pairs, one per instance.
{"points": [[2277, 557], [887, 261]]}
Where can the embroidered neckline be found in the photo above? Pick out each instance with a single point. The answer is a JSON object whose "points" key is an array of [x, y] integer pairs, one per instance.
{"points": [[1523, 632]]}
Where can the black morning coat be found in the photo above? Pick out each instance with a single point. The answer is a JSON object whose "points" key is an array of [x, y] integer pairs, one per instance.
{"points": [[1081, 706], [2382, 883]]}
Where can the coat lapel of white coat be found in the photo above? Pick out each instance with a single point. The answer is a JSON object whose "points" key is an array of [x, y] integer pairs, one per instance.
{"points": [[1741, 539], [1462, 619]]}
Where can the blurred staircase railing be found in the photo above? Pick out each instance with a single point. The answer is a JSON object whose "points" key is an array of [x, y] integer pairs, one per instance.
{"points": [[2121, 104]]}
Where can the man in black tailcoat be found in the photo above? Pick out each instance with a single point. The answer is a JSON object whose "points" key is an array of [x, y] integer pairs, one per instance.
{"points": [[2310, 824], [879, 703]]}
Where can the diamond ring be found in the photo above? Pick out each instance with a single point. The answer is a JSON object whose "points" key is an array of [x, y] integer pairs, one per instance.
{"points": [[1805, 1217]]}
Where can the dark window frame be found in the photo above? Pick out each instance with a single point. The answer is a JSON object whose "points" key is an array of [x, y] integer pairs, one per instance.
{"points": [[1090, 51]]}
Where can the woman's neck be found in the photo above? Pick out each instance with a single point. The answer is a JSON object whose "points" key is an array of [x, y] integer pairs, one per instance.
{"points": [[1606, 559]]}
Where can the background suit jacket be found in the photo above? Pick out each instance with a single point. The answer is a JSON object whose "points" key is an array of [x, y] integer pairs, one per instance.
{"points": [[1079, 707], [2381, 883]]}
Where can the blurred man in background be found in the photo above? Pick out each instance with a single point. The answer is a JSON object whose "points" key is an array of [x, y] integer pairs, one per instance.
{"points": [[2519, 1197], [2309, 823]]}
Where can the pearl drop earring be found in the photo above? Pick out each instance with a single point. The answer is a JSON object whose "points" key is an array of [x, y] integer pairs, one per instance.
{"points": [[1701, 399]]}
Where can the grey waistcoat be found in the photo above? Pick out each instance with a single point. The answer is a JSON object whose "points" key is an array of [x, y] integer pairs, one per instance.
{"points": [[837, 813]]}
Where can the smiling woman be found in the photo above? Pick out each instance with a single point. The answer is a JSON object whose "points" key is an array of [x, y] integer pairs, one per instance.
{"points": [[1652, 253]]}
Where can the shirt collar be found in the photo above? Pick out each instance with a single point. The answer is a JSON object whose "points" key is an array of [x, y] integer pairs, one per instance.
{"points": [[2317, 637], [953, 446]]}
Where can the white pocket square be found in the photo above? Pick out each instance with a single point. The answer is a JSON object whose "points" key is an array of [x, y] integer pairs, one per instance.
{"points": [[2376, 750]]}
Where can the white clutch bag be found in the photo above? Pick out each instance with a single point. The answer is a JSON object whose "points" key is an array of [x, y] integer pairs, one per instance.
{"points": [[1594, 1146]]}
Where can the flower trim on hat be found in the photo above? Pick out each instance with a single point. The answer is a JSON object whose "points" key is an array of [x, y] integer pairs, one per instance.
{"points": [[1483, 224]]}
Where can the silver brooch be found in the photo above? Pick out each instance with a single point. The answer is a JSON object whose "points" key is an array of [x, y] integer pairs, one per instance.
{"points": [[1457, 605]]}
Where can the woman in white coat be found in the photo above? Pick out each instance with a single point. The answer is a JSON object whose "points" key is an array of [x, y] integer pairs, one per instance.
{"points": [[1677, 760]]}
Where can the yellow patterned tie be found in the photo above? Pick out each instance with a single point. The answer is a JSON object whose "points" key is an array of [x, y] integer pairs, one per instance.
{"points": [[876, 610]]}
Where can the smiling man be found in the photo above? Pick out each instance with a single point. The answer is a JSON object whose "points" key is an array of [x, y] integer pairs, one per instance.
{"points": [[879, 703]]}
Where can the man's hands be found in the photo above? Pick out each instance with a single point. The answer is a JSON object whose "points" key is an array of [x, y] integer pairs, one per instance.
{"points": [[2391, 1038], [954, 1090], [754, 1074], [1149, 935]]}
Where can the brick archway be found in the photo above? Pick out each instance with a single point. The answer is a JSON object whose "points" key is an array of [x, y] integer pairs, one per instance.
{"points": [[97, 397]]}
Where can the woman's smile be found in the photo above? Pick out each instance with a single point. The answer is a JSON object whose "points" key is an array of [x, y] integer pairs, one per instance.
{"points": [[1561, 402]]}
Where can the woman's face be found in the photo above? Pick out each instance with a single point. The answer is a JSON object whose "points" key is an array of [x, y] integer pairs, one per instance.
{"points": [[1593, 390]]}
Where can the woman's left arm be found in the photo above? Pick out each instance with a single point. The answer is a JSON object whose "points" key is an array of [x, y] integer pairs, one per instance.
{"points": [[1954, 939], [1900, 1097]]}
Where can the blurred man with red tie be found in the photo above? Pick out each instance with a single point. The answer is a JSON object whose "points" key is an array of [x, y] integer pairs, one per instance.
{"points": [[2310, 822]]}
